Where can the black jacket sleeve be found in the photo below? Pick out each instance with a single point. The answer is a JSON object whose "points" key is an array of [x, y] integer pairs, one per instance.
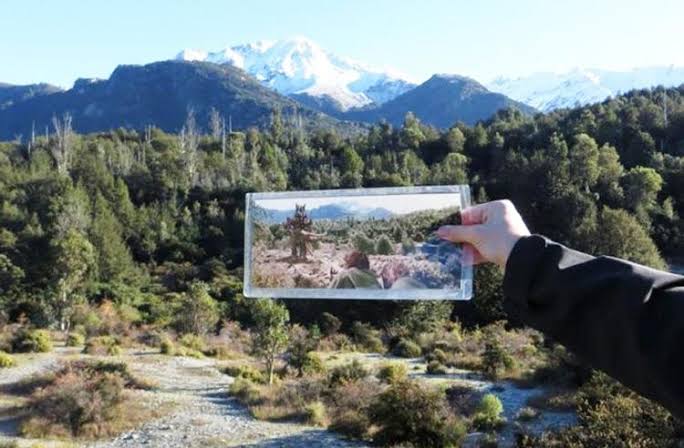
{"points": [[620, 317]]}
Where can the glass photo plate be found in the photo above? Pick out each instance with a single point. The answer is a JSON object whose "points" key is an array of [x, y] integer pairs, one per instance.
{"points": [[373, 243]]}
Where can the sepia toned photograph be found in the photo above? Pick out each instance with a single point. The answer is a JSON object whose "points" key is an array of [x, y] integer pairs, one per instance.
{"points": [[363, 244]]}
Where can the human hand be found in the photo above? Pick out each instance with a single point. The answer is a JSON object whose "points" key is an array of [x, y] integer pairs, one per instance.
{"points": [[492, 229]]}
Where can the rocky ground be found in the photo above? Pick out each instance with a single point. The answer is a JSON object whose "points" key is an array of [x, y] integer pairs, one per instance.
{"points": [[191, 394], [199, 411]]}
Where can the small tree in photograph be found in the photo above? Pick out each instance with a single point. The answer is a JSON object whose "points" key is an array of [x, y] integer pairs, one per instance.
{"points": [[270, 327]]}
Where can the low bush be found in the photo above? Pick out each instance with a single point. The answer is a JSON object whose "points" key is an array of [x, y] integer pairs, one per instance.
{"points": [[313, 364], [167, 347], [102, 346], [527, 414], [366, 337], [75, 340], [316, 413], [330, 324], [488, 415], [393, 372], [246, 391], [193, 342], [496, 361], [83, 400], [406, 348], [436, 368], [438, 355], [407, 413], [348, 405], [384, 246], [6, 360], [245, 371], [350, 372], [31, 341]]}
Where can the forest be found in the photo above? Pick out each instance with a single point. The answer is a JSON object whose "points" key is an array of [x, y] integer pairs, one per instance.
{"points": [[148, 226]]}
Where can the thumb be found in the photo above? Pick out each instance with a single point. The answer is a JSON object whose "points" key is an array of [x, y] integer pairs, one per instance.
{"points": [[460, 234]]}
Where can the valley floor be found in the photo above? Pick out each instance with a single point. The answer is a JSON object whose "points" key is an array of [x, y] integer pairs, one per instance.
{"points": [[192, 395]]}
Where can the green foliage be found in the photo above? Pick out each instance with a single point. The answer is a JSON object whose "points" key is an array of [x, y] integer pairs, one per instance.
{"points": [[167, 347], [366, 337], [496, 360], [199, 312], [488, 414], [102, 346], [6, 360], [81, 401], [245, 390], [31, 341], [408, 413], [422, 317], [245, 371], [393, 372], [75, 340], [363, 244], [436, 368], [313, 364], [350, 372], [330, 324], [316, 413], [270, 327], [406, 348], [384, 246]]}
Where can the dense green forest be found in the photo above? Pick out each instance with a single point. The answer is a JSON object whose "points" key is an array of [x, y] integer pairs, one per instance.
{"points": [[129, 237], [136, 217]]}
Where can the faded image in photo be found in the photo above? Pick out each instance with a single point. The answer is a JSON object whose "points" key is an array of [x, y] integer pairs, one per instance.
{"points": [[346, 244]]}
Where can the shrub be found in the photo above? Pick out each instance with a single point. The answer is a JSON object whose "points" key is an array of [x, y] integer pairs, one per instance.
{"points": [[167, 347], [348, 409], [406, 348], [245, 371], [313, 364], [316, 413], [488, 415], [75, 340], [302, 342], [367, 337], [393, 372], [80, 402], [246, 391], [363, 244], [384, 246], [350, 372], [102, 346], [437, 355], [330, 324], [31, 341], [407, 413], [495, 360], [526, 414], [198, 311], [192, 341], [6, 360], [436, 368]]}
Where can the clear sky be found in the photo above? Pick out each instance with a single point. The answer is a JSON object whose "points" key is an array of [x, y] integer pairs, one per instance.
{"points": [[58, 41], [398, 203]]}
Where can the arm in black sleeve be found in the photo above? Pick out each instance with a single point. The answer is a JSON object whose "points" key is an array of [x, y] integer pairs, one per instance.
{"points": [[620, 317]]}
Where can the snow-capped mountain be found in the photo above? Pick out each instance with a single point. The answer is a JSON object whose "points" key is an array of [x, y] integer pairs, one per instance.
{"points": [[549, 91], [299, 66]]}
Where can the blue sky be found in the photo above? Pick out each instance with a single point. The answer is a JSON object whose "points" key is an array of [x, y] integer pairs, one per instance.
{"points": [[59, 40]]}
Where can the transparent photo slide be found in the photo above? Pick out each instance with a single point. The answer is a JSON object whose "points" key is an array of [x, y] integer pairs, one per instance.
{"points": [[374, 243]]}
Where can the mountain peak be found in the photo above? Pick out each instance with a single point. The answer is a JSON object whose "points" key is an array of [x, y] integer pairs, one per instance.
{"points": [[299, 66], [580, 86]]}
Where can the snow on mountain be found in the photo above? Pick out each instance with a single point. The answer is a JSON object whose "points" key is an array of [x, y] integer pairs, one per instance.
{"points": [[549, 91], [300, 66]]}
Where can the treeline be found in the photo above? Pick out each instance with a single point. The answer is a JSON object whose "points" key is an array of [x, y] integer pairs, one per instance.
{"points": [[138, 217]]}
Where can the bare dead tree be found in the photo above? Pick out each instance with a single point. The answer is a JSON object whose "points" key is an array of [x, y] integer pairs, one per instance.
{"points": [[215, 123], [189, 143], [62, 148]]}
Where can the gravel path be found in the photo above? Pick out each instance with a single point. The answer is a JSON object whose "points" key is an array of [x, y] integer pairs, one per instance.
{"points": [[204, 415]]}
